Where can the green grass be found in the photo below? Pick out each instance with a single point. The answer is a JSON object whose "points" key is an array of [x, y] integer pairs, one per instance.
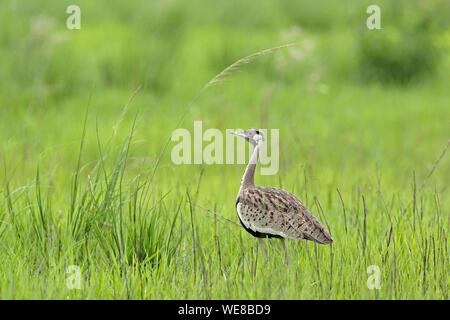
{"points": [[86, 176]]}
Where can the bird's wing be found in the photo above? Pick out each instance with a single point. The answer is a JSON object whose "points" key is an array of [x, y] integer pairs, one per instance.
{"points": [[284, 213]]}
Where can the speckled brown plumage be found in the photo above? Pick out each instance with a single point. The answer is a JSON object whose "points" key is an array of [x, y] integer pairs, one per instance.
{"points": [[275, 212]]}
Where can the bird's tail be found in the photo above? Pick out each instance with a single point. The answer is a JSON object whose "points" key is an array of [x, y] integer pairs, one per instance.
{"points": [[324, 238], [318, 233]]}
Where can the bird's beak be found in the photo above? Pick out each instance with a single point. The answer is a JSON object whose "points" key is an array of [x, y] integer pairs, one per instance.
{"points": [[239, 134]]}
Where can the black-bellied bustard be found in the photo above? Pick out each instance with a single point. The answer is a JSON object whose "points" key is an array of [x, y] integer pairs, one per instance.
{"points": [[267, 212]]}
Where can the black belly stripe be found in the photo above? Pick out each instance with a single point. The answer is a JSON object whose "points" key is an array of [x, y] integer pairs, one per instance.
{"points": [[256, 233]]}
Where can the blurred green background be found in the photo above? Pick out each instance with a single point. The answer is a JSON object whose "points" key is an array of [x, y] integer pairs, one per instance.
{"points": [[362, 111], [339, 83]]}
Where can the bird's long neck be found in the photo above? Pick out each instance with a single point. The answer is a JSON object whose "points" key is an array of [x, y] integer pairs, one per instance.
{"points": [[249, 174]]}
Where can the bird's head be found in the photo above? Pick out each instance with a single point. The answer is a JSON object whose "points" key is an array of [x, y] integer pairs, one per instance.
{"points": [[254, 136]]}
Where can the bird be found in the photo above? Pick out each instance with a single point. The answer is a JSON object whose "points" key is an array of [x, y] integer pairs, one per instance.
{"points": [[267, 212]]}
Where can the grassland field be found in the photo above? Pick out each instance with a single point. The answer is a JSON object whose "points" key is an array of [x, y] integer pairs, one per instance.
{"points": [[87, 180]]}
